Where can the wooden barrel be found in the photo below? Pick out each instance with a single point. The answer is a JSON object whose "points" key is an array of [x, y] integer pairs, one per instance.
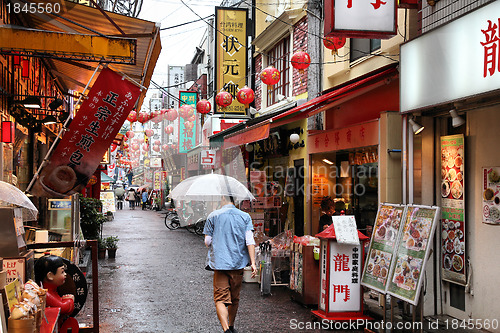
{"points": [[22, 325]]}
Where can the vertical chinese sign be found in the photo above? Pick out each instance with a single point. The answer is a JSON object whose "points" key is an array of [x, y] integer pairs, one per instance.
{"points": [[89, 136], [231, 55], [157, 181], [380, 254], [412, 252], [453, 209], [187, 127]]}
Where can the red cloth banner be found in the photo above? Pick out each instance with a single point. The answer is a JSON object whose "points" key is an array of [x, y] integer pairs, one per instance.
{"points": [[89, 136]]}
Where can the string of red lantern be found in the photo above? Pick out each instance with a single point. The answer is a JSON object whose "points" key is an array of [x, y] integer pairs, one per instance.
{"points": [[245, 96]]}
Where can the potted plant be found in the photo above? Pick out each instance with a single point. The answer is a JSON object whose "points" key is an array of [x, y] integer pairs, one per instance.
{"points": [[112, 245], [91, 218], [109, 215], [101, 245]]}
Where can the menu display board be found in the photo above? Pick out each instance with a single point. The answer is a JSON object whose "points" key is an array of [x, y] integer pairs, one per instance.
{"points": [[382, 246], [453, 209], [345, 229], [412, 250], [491, 195]]}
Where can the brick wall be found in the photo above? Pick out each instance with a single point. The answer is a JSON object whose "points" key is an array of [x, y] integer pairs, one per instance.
{"points": [[299, 79]]}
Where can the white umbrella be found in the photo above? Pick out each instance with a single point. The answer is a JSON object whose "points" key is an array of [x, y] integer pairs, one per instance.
{"points": [[11, 195], [210, 187]]}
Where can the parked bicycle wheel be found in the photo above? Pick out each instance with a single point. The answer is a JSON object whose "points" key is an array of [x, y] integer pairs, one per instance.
{"points": [[172, 221], [199, 226]]}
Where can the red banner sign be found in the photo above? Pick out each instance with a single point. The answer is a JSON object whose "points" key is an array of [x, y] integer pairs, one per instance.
{"points": [[89, 136]]}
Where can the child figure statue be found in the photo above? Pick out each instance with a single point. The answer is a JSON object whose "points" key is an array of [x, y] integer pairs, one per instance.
{"points": [[50, 273]]}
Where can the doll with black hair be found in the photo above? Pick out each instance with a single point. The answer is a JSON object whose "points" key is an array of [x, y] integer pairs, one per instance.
{"points": [[50, 273]]}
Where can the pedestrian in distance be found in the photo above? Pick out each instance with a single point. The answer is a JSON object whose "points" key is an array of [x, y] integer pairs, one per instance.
{"points": [[131, 198], [138, 198], [144, 199], [231, 247]]}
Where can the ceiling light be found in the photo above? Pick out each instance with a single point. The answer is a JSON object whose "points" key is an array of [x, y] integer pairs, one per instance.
{"points": [[327, 161], [417, 128], [49, 120], [31, 102], [456, 120]]}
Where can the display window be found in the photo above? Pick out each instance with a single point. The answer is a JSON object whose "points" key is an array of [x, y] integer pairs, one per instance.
{"points": [[350, 179]]}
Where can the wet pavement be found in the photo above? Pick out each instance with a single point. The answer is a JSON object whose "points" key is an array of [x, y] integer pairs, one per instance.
{"points": [[158, 283]]}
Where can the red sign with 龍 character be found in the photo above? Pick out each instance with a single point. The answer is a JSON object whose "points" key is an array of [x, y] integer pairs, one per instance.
{"points": [[89, 136]]}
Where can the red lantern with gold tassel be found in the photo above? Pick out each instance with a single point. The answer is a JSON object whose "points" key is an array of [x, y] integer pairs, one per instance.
{"points": [[186, 111], [169, 129], [245, 96], [155, 116], [270, 76], [223, 99], [130, 134], [203, 106], [143, 117], [301, 60], [334, 43], [171, 114], [132, 116]]}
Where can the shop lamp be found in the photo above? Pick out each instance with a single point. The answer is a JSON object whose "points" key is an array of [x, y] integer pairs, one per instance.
{"points": [[49, 120], [249, 147], [31, 102], [417, 128], [294, 138], [7, 132], [456, 120]]}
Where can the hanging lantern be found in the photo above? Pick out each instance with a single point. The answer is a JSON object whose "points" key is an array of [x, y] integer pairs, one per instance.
{"points": [[164, 147], [192, 118], [132, 116], [203, 106], [135, 147], [156, 148], [92, 180], [189, 125], [140, 140], [186, 111], [143, 117], [245, 96], [130, 134], [149, 132], [174, 146], [301, 60], [223, 99], [270, 76], [155, 116], [157, 143], [125, 146], [169, 129], [171, 114], [334, 43], [145, 146]]}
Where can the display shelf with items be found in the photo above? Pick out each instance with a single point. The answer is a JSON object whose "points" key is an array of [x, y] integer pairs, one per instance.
{"points": [[304, 274]]}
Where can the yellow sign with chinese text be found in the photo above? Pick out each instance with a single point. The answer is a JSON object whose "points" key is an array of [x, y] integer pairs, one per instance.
{"points": [[231, 55]]}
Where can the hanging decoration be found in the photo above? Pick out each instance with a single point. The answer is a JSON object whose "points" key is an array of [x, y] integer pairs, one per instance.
{"points": [[334, 43], [149, 132], [155, 116], [157, 143], [203, 106], [270, 76], [156, 148], [145, 146], [130, 134], [143, 117], [223, 99], [132, 116], [171, 114], [245, 96], [186, 111], [169, 129], [164, 147], [301, 60]]}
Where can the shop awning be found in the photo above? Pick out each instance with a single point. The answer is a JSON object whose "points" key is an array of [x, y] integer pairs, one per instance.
{"points": [[106, 179], [253, 133], [337, 96], [73, 18]]}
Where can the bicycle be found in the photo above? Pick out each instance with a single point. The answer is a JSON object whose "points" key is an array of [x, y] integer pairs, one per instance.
{"points": [[172, 221]]}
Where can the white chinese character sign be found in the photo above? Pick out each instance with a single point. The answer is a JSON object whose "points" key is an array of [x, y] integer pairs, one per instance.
{"points": [[361, 18], [208, 158], [89, 136]]}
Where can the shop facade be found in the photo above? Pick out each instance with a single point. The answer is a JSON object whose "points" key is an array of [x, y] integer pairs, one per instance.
{"points": [[451, 162]]}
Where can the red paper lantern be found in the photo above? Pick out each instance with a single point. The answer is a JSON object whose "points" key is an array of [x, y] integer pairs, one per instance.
{"points": [[270, 76], [156, 148], [223, 99], [93, 180], [134, 147], [145, 146], [155, 116], [189, 125], [143, 117], [334, 43], [171, 114], [140, 140], [169, 129], [203, 106], [186, 111], [164, 147], [300, 60], [130, 134], [157, 142], [149, 132], [132, 116], [245, 96]]}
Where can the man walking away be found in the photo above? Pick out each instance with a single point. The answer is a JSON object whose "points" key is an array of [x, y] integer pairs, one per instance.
{"points": [[229, 237], [131, 198], [144, 199]]}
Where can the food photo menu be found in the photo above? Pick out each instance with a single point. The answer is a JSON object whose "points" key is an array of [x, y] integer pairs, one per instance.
{"points": [[453, 209], [491, 195], [382, 246], [412, 251]]}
